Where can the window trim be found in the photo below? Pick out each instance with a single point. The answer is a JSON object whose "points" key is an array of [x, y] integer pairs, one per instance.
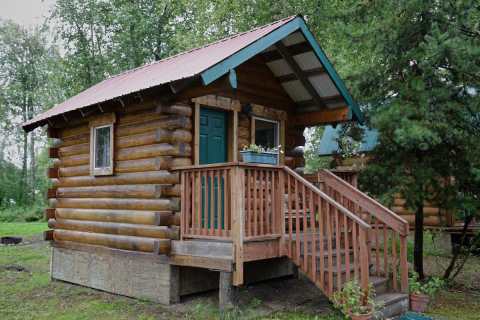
{"points": [[277, 134], [102, 171]]}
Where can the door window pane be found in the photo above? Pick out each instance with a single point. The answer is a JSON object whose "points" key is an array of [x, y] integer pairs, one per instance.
{"points": [[102, 147]]}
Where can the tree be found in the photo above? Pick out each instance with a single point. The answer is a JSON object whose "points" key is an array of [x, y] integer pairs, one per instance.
{"points": [[24, 57], [421, 80]]}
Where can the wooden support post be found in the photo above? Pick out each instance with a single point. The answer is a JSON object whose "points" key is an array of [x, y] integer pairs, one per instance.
{"points": [[238, 220], [235, 137], [226, 291], [196, 135]]}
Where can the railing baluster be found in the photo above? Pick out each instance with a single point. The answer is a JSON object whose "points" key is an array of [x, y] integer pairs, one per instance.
{"points": [[337, 250], [377, 247], [273, 204], [290, 225], [305, 228], [248, 203], [385, 249], [255, 204], [329, 250], [297, 225], [228, 200], [321, 238], [355, 252], [312, 237], [346, 248], [262, 196]]}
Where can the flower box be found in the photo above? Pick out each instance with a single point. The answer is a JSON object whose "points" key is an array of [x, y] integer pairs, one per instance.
{"points": [[260, 157]]}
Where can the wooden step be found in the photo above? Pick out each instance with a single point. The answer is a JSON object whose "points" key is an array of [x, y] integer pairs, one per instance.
{"points": [[394, 304]]}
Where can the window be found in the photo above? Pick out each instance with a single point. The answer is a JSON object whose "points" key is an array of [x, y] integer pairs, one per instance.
{"points": [[266, 133], [101, 151]]}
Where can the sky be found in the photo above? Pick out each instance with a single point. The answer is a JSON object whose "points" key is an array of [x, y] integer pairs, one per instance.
{"points": [[28, 13]]}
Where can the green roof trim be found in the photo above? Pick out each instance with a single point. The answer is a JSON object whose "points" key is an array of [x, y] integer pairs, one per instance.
{"points": [[224, 67]]}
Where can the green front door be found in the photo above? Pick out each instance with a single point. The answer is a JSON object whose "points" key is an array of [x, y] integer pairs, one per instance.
{"points": [[213, 136], [213, 149]]}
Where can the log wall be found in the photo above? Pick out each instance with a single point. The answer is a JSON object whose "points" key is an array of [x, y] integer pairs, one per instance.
{"points": [[137, 207]]}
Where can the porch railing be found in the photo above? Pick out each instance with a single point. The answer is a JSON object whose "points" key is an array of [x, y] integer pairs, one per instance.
{"points": [[387, 238], [213, 196], [334, 234]]}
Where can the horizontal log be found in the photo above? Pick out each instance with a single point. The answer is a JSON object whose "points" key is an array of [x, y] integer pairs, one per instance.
{"points": [[148, 177], [148, 138], [400, 202], [161, 246], [75, 149], [117, 204], [77, 139], [433, 221], [165, 122], [178, 109], [154, 150], [125, 229], [159, 218], [147, 191], [140, 165], [73, 131], [427, 211], [76, 160], [156, 136]]}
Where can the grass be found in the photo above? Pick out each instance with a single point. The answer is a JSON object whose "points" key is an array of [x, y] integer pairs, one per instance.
{"points": [[22, 229], [28, 293]]}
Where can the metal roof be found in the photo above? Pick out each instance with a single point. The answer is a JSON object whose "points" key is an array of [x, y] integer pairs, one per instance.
{"points": [[329, 145], [219, 58]]}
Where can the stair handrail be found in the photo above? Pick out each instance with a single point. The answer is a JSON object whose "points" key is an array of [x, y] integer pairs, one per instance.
{"points": [[332, 201], [378, 210]]}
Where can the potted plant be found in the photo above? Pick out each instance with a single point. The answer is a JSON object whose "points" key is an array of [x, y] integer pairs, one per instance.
{"points": [[259, 154], [354, 302], [420, 293]]}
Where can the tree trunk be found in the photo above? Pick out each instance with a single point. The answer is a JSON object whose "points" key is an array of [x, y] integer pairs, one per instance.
{"points": [[418, 241], [457, 252]]}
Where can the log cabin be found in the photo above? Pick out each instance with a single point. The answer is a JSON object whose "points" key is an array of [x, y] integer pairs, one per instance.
{"points": [[151, 198]]}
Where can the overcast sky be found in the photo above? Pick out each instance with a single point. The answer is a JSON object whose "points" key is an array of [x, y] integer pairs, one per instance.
{"points": [[25, 12]]}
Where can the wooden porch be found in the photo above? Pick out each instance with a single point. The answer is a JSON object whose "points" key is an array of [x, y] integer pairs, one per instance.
{"points": [[233, 213]]}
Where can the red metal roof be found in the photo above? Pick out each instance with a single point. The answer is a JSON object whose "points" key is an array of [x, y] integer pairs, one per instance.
{"points": [[184, 65]]}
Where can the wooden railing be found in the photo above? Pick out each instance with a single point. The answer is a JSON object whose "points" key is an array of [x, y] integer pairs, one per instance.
{"points": [[387, 239], [326, 240], [212, 195]]}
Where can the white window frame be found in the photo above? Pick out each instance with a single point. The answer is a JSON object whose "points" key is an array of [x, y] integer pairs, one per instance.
{"points": [[277, 134], [101, 171]]}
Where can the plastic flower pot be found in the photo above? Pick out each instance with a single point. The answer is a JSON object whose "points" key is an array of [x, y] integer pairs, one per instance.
{"points": [[260, 157], [419, 302]]}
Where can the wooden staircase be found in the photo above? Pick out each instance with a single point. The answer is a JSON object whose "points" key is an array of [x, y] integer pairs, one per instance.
{"points": [[333, 232], [340, 234]]}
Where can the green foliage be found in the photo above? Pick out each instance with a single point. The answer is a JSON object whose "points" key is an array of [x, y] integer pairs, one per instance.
{"points": [[353, 300], [428, 287]]}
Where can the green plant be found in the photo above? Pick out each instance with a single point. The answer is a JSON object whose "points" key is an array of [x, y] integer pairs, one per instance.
{"points": [[353, 300], [259, 149], [429, 287]]}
